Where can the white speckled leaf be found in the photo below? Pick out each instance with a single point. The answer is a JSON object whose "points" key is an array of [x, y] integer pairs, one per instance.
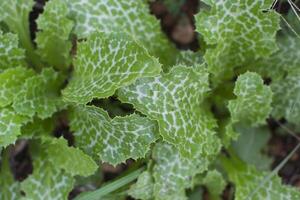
{"points": [[10, 53], [111, 140], [189, 58], [239, 31], [40, 95], [106, 62], [53, 42], [11, 81], [287, 97], [253, 102], [10, 126], [247, 179], [47, 182], [174, 100], [143, 188], [172, 173], [132, 17]]}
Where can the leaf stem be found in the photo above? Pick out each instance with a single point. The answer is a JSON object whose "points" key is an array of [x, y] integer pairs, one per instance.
{"points": [[116, 184]]}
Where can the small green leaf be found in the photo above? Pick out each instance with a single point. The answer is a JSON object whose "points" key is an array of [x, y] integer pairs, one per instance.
{"points": [[11, 81], [238, 31], [143, 188], [253, 102], [174, 100], [53, 38], [189, 58], [40, 95], [10, 126], [10, 53], [106, 62], [71, 159], [130, 17], [286, 101], [215, 183], [47, 182], [38, 128], [111, 140], [247, 179], [172, 173]]}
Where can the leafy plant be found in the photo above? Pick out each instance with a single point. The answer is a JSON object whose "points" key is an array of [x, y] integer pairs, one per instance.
{"points": [[183, 110]]}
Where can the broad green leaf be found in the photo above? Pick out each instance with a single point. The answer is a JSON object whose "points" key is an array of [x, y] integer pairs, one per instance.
{"points": [[106, 62], [253, 102], [281, 62], [11, 55], [10, 189], [287, 96], [239, 31], [172, 173], [215, 184], [111, 140], [47, 181], [189, 58], [40, 95], [38, 128], [250, 145], [71, 159], [10, 126], [132, 17], [247, 179], [15, 15], [143, 188], [11, 81], [174, 100], [53, 38]]}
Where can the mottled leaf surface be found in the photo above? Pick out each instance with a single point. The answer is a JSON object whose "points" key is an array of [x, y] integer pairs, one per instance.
{"points": [[106, 62], [174, 100], [111, 140], [11, 55], [10, 126], [131, 17], [40, 95], [53, 38], [143, 188], [253, 102], [238, 31], [11, 81]]}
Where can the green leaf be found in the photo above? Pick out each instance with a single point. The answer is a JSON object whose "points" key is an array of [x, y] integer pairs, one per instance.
{"points": [[215, 184], [106, 62], [281, 62], [143, 188], [11, 81], [189, 58], [10, 53], [174, 100], [59, 152], [47, 182], [111, 140], [247, 179], [53, 39], [131, 17], [10, 189], [287, 96], [172, 173], [10, 126], [15, 15], [250, 145], [253, 102], [239, 31], [38, 128], [40, 95]]}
